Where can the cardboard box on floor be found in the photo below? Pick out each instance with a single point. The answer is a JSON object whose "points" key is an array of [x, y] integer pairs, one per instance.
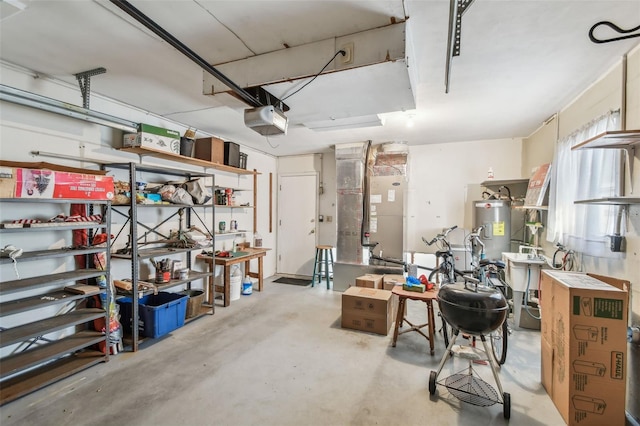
{"points": [[584, 346], [367, 309], [369, 281]]}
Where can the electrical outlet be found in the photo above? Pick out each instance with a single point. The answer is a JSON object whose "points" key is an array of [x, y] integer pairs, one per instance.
{"points": [[348, 57], [329, 218]]}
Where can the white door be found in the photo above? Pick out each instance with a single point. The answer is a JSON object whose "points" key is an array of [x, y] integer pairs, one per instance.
{"points": [[297, 224]]}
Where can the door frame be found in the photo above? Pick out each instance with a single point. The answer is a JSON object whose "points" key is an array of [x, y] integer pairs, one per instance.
{"points": [[280, 241]]}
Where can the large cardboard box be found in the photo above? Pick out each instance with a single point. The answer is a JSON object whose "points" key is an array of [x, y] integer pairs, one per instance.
{"points": [[210, 149], [20, 182], [584, 346], [367, 309], [152, 137], [389, 281], [369, 281]]}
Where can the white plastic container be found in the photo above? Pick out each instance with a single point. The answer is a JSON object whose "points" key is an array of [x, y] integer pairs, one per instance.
{"points": [[235, 283]]}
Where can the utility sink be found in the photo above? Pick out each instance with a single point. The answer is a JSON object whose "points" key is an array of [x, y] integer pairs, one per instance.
{"points": [[530, 258]]}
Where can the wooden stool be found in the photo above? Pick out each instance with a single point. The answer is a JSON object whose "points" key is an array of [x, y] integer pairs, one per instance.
{"points": [[321, 265], [427, 297]]}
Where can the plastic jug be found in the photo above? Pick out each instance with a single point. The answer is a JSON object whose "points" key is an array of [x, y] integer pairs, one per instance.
{"points": [[247, 286]]}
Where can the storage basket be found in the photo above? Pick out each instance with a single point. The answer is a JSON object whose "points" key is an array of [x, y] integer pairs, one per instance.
{"points": [[158, 314], [196, 298]]}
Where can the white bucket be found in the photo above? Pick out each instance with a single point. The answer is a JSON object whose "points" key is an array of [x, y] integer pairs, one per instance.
{"points": [[235, 284]]}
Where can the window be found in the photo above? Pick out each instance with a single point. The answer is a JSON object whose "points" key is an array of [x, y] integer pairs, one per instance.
{"points": [[580, 175]]}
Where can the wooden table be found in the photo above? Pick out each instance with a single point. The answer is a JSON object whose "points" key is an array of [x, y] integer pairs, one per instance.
{"points": [[226, 262], [427, 297]]}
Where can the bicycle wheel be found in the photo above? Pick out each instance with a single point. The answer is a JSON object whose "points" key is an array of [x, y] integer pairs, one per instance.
{"points": [[499, 340]]}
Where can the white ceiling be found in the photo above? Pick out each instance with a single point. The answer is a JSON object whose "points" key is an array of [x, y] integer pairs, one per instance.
{"points": [[521, 61]]}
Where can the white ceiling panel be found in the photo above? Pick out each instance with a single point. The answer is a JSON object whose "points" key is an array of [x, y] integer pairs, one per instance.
{"points": [[520, 61]]}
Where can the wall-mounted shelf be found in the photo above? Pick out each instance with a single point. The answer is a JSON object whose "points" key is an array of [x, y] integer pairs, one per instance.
{"points": [[517, 187], [189, 160], [616, 139], [503, 182], [617, 201], [613, 139]]}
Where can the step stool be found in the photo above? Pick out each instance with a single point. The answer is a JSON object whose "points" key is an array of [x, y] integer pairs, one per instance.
{"points": [[322, 267]]}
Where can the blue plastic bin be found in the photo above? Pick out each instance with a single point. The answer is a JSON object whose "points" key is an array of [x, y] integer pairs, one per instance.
{"points": [[158, 314]]}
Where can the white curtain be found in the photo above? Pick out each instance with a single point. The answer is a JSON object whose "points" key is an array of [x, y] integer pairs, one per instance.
{"points": [[581, 175]]}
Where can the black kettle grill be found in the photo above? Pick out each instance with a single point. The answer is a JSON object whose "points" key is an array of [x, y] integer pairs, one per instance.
{"points": [[472, 308], [475, 309]]}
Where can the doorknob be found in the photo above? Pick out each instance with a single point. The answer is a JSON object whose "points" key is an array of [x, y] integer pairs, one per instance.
{"points": [[313, 231]]}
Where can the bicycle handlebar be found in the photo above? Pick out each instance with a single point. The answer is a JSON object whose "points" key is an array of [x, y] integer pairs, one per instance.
{"points": [[440, 236]]}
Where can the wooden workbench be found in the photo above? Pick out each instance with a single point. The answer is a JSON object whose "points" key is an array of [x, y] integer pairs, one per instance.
{"points": [[226, 262]]}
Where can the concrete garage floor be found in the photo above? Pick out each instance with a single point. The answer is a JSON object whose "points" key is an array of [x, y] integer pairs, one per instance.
{"points": [[280, 358]]}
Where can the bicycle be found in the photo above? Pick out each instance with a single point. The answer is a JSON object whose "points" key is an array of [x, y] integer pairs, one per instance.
{"points": [[445, 272], [490, 273]]}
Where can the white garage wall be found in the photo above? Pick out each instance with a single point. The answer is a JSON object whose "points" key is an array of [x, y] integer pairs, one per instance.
{"points": [[445, 178]]}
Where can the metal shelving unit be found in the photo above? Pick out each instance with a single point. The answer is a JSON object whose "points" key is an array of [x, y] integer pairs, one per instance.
{"points": [[49, 359], [135, 253]]}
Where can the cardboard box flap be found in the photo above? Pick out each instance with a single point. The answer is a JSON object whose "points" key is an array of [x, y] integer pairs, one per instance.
{"points": [[586, 281], [371, 293]]}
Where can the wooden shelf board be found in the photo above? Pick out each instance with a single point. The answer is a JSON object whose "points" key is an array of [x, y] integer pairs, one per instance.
{"points": [[230, 187], [46, 280], [49, 254], [46, 352], [234, 207], [163, 205], [40, 377], [610, 201], [42, 300], [505, 182], [26, 331], [611, 139], [189, 160]]}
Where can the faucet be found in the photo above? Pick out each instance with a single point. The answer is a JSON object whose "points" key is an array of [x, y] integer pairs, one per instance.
{"points": [[533, 251]]}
